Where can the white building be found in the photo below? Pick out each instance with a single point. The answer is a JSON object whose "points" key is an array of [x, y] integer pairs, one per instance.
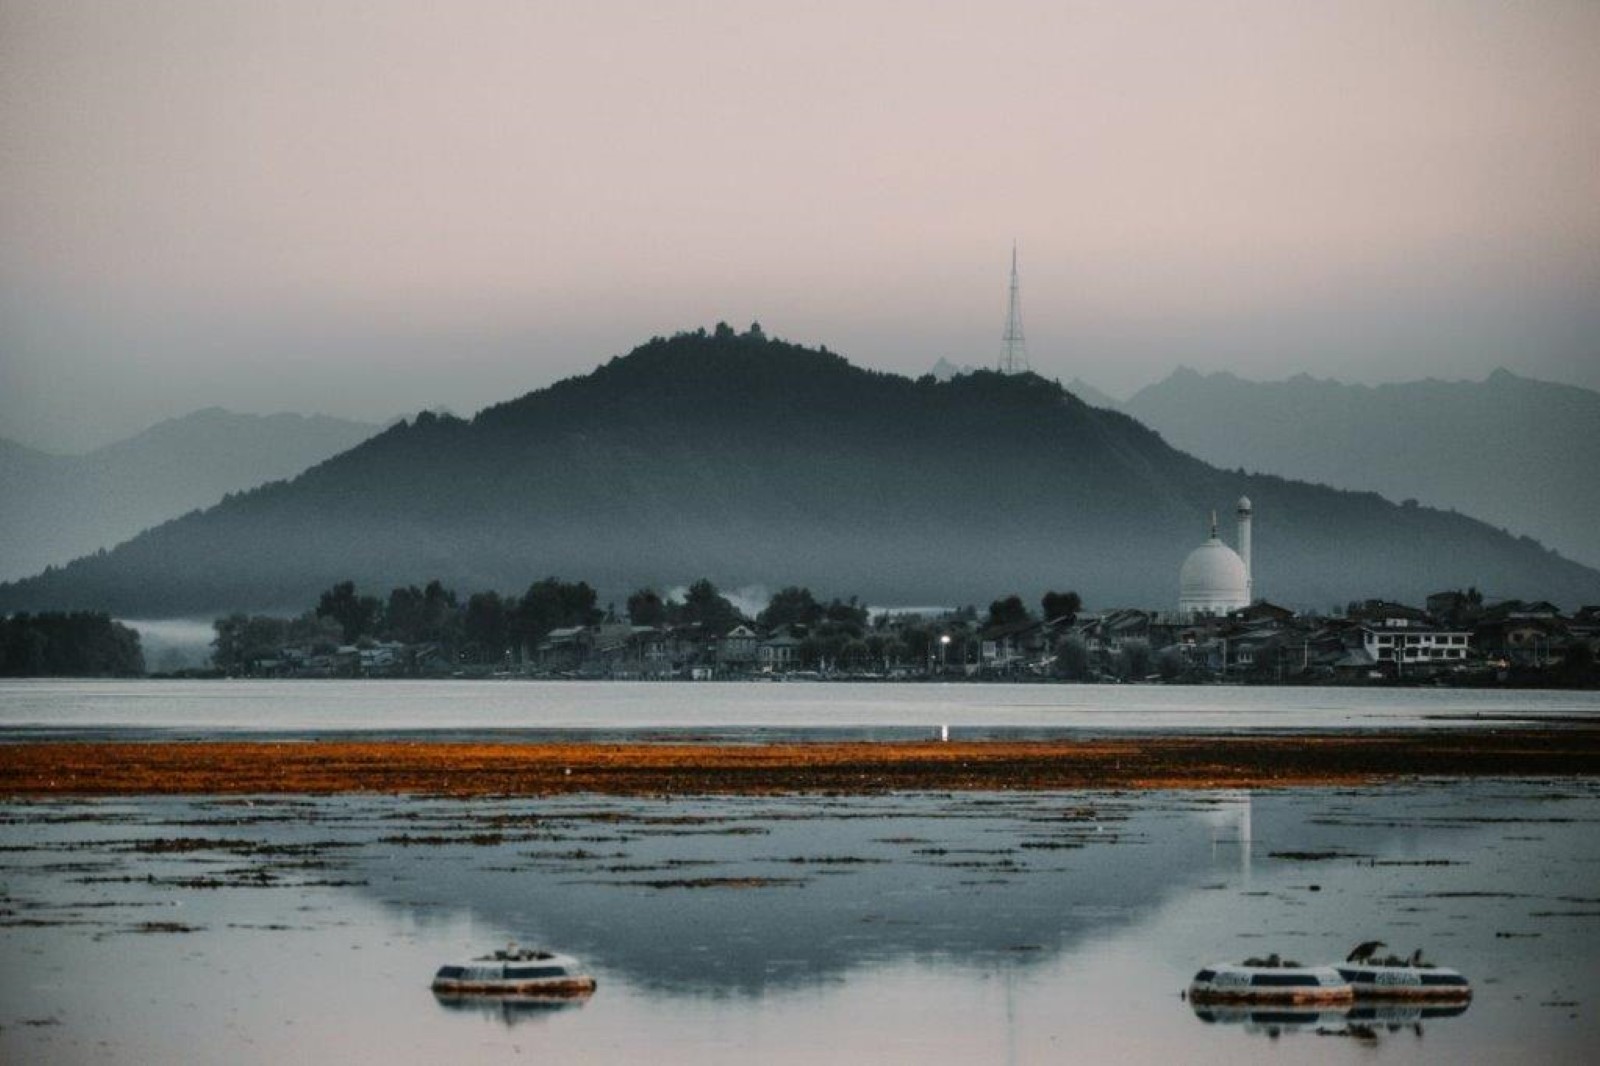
{"points": [[1215, 579], [1412, 645]]}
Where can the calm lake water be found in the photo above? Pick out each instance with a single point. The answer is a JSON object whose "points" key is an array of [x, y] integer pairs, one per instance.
{"points": [[468, 708], [988, 927], [908, 928]]}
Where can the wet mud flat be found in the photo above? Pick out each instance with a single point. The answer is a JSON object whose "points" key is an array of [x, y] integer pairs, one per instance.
{"points": [[288, 925], [637, 768]]}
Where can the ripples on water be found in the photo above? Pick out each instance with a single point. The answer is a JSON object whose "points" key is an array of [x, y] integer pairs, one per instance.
{"points": [[907, 928]]}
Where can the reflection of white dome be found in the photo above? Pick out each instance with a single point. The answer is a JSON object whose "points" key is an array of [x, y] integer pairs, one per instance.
{"points": [[1213, 580]]}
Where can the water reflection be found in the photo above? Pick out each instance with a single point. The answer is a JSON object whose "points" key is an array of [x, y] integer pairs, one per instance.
{"points": [[1405, 1013], [510, 1010], [792, 929], [1367, 1022], [1269, 1021], [746, 898]]}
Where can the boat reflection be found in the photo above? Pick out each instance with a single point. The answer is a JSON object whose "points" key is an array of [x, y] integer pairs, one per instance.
{"points": [[1405, 1013], [510, 1009], [1362, 1021]]}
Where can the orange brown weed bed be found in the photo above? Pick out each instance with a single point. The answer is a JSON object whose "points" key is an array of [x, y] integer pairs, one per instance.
{"points": [[508, 768]]}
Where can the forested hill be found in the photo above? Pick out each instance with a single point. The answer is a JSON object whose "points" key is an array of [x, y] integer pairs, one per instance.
{"points": [[753, 461]]}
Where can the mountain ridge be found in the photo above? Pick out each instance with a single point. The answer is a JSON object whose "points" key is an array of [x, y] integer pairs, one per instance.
{"points": [[750, 460], [60, 507], [1502, 449]]}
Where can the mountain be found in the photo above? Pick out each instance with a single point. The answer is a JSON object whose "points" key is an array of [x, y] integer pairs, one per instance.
{"points": [[749, 460], [1092, 396], [944, 369], [1512, 451], [54, 508]]}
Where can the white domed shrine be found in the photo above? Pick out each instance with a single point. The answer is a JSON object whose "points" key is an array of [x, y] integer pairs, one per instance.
{"points": [[1215, 579]]}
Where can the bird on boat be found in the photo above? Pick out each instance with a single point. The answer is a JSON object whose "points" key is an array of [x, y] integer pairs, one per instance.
{"points": [[1415, 959], [1364, 950]]}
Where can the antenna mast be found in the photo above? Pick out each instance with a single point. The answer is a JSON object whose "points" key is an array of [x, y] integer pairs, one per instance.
{"points": [[1013, 348]]}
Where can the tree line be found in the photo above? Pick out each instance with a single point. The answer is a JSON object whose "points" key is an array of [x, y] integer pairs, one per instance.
{"points": [[493, 628], [68, 644]]}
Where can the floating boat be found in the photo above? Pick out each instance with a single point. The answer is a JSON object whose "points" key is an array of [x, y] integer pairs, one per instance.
{"points": [[515, 972], [512, 1009], [1269, 981], [1399, 980]]}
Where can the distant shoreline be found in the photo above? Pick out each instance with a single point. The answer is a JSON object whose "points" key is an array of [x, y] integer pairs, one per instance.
{"points": [[47, 769], [1480, 681]]}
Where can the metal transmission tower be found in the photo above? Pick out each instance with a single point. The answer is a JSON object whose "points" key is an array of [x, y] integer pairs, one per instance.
{"points": [[1013, 348]]}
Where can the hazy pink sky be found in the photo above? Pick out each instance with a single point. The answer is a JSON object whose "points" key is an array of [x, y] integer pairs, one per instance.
{"points": [[368, 208]]}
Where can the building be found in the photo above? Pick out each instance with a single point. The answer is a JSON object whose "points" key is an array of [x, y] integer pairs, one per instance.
{"points": [[738, 648], [1215, 579], [1407, 644], [780, 652]]}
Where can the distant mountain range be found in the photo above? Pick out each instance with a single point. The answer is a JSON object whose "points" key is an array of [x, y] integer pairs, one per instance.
{"points": [[54, 508], [1514, 452], [749, 460], [1091, 395]]}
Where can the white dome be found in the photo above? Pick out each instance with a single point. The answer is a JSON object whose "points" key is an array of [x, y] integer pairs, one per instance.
{"points": [[1213, 580]]}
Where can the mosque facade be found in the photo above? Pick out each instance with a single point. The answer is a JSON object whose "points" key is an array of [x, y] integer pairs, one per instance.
{"points": [[1215, 579]]}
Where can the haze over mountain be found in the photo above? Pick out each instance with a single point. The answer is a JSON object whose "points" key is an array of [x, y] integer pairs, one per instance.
{"points": [[54, 508], [1512, 451], [1092, 396], [748, 460]]}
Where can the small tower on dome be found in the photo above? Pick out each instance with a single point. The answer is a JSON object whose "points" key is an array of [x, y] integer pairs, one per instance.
{"points": [[1244, 548], [1213, 580]]}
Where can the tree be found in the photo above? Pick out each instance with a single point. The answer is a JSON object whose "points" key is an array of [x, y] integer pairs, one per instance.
{"points": [[791, 606], [1061, 605], [919, 640], [856, 654], [402, 617], [554, 604], [1006, 612], [895, 651], [1169, 663], [486, 623], [645, 608], [1135, 659], [851, 614], [1072, 658], [316, 635], [357, 615], [441, 615], [705, 605], [76, 644], [241, 640]]}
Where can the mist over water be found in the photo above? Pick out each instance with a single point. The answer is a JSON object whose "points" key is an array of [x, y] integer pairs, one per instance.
{"points": [[174, 643]]}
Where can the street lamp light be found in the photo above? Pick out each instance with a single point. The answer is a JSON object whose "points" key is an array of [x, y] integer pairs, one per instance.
{"points": [[944, 648]]}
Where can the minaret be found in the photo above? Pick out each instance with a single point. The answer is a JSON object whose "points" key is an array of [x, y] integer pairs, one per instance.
{"points": [[1244, 548], [1013, 349]]}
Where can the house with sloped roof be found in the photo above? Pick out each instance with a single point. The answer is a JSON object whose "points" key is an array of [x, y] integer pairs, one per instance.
{"points": [[737, 648]]}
